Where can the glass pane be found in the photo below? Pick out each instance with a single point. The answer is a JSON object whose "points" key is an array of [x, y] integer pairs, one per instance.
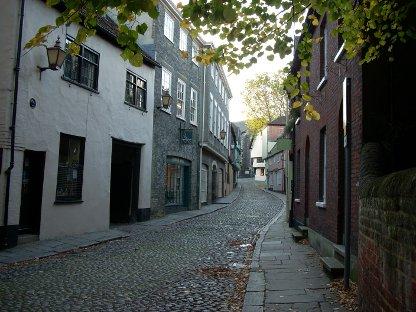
{"points": [[88, 74], [74, 151], [141, 98], [71, 67], [129, 96], [63, 149], [89, 55], [130, 77]]}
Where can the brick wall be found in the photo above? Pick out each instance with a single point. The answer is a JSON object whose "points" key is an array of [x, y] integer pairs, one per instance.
{"points": [[387, 248], [328, 101]]}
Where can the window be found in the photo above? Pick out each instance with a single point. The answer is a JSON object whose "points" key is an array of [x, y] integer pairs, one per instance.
{"points": [[169, 26], [194, 107], [212, 71], [218, 121], [211, 112], [322, 166], [83, 67], [323, 49], [135, 94], [216, 77], [194, 52], [183, 40], [220, 87], [166, 84], [70, 168], [214, 122], [180, 103]]}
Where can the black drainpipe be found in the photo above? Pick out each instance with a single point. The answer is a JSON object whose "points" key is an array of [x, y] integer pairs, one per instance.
{"points": [[347, 199], [13, 125]]}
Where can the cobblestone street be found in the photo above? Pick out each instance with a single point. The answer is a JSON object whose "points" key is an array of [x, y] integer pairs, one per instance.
{"points": [[155, 269]]}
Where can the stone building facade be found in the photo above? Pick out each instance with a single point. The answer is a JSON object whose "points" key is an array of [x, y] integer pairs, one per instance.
{"points": [[214, 168], [176, 153], [83, 148]]}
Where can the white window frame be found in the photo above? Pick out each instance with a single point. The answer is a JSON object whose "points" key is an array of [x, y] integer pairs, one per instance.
{"points": [[194, 53], [169, 26], [183, 40], [218, 121], [193, 111], [166, 84], [214, 123], [216, 77], [213, 71], [180, 98], [211, 112]]}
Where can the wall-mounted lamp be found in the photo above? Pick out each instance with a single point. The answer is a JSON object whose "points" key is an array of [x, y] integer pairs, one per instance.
{"points": [[222, 134], [166, 99], [56, 57]]}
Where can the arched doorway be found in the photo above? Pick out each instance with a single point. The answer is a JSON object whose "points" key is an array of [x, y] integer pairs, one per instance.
{"points": [[307, 169]]}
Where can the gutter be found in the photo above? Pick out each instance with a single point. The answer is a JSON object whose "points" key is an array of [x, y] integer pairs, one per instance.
{"points": [[13, 125]]}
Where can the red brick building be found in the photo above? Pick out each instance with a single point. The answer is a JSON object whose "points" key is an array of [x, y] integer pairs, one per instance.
{"points": [[319, 147], [383, 169]]}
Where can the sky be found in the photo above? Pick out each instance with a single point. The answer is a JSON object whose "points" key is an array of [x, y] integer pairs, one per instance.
{"points": [[236, 82]]}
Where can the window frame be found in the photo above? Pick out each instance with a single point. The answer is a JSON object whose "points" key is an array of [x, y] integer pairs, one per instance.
{"points": [[81, 59], [323, 170], [211, 113], [180, 84], [323, 53], [183, 40], [193, 106], [80, 172], [169, 27], [136, 78], [194, 51], [166, 71]]}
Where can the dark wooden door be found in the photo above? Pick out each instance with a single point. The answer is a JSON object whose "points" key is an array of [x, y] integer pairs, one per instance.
{"points": [[31, 194]]}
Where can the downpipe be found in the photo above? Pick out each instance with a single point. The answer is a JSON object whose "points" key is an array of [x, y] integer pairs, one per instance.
{"points": [[8, 171]]}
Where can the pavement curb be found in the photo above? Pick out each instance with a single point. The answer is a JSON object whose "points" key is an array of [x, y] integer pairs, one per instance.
{"points": [[255, 290]]}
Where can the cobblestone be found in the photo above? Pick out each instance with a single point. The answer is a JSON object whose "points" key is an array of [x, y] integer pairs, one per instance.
{"points": [[152, 270]]}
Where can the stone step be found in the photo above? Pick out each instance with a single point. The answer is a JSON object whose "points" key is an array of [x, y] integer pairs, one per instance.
{"points": [[331, 265], [303, 230], [339, 252], [297, 236]]}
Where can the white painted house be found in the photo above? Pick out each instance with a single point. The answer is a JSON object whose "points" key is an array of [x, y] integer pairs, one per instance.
{"points": [[83, 148], [257, 162]]}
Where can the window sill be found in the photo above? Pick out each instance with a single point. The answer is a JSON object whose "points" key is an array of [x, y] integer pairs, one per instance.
{"points": [[194, 124], [322, 83], [320, 204], [170, 40], [165, 111], [68, 202], [340, 53], [138, 108], [181, 118], [79, 84]]}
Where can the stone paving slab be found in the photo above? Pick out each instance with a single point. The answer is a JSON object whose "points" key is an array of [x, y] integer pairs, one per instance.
{"points": [[292, 274], [46, 248]]}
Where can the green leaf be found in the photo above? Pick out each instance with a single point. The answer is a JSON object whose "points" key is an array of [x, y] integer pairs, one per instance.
{"points": [[230, 15], [136, 60]]}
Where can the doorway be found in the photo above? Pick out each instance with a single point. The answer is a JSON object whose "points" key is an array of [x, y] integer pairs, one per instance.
{"points": [[31, 194], [204, 183], [214, 183], [124, 188], [307, 168]]}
